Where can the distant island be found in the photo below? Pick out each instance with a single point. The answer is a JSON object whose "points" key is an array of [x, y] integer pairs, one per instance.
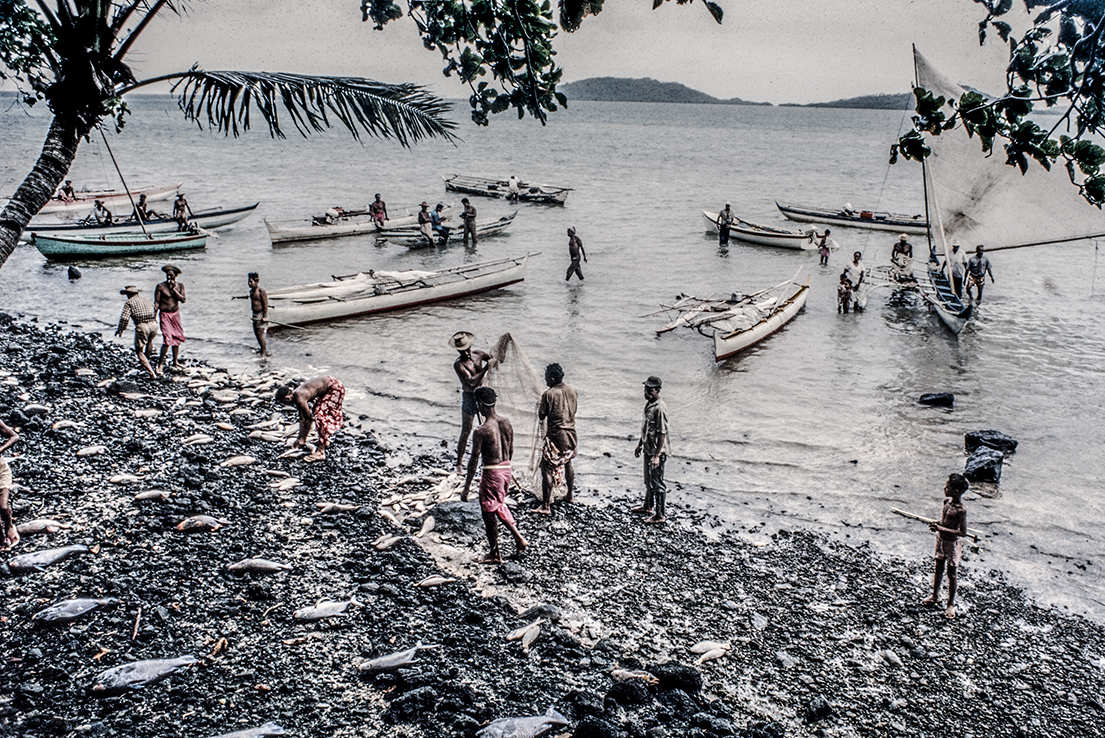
{"points": [[645, 89]]}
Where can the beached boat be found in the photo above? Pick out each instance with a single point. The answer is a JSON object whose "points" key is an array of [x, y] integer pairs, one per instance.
{"points": [[740, 321], [528, 191], [205, 219], [486, 229], [760, 235], [112, 199], [114, 244], [344, 223], [876, 220], [377, 291]]}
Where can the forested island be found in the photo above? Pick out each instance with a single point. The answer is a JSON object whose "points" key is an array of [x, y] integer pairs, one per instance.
{"points": [[646, 89]]}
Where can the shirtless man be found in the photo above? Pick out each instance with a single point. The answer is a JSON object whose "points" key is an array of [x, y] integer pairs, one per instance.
{"points": [[9, 536], [977, 268], [67, 193], [471, 367], [949, 541], [319, 402], [575, 252], [259, 306], [558, 410], [378, 210], [168, 297], [181, 211], [493, 443], [724, 222]]}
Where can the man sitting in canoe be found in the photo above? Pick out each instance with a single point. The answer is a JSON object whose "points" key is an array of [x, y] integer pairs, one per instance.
{"points": [[101, 213], [66, 193], [378, 210], [439, 228], [319, 402]]}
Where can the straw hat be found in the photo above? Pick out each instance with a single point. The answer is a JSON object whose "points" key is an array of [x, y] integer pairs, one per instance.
{"points": [[130, 290], [171, 269], [462, 340], [903, 237]]}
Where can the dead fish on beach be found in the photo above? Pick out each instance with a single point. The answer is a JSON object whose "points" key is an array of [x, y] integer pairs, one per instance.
{"points": [[391, 661], [240, 411], [527, 634], [384, 542], [716, 653], [67, 610], [63, 424], [39, 559], [197, 439], [147, 412], [258, 566], [153, 494], [294, 453], [199, 523], [389, 516], [84, 372], [124, 479], [427, 525], [41, 525], [277, 473], [35, 408], [624, 675], [224, 426], [523, 727], [285, 484], [325, 609], [265, 424], [138, 674], [435, 580], [329, 508], [707, 646], [105, 382], [264, 730], [239, 461], [92, 450]]}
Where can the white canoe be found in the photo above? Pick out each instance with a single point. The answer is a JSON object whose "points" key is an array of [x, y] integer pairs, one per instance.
{"points": [[310, 229], [491, 187], [873, 220], [767, 319], [747, 232], [205, 219], [416, 240], [376, 292], [112, 199]]}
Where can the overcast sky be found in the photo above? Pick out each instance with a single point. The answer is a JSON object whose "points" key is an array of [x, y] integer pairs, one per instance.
{"points": [[773, 50]]}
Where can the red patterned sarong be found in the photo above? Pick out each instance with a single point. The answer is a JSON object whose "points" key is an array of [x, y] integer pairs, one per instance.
{"points": [[494, 483], [327, 411], [172, 333]]}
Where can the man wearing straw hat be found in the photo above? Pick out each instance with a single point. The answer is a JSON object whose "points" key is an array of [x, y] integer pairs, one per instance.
{"points": [[471, 367], [169, 296], [141, 311], [425, 222]]}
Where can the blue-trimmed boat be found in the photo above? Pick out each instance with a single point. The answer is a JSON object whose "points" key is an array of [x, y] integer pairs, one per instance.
{"points": [[115, 244]]}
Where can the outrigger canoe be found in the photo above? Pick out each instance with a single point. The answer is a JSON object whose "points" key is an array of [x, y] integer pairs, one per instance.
{"points": [[528, 191], [486, 229], [747, 232], [875, 220], [206, 219], [371, 292], [111, 199], [346, 223], [115, 244]]}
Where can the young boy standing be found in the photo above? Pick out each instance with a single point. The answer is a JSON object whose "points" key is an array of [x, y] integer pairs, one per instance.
{"points": [[949, 541]]}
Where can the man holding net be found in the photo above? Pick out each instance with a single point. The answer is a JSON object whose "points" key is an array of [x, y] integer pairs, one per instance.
{"points": [[558, 410]]}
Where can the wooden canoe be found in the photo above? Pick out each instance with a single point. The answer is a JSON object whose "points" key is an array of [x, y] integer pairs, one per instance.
{"points": [[115, 244], [486, 229], [500, 188], [311, 229], [730, 343], [206, 219], [869, 219], [112, 199], [747, 232]]}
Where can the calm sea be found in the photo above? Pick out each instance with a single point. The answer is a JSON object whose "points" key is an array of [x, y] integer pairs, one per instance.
{"points": [[817, 426]]}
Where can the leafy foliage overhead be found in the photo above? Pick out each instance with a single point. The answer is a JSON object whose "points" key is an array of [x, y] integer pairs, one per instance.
{"points": [[1057, 62]]}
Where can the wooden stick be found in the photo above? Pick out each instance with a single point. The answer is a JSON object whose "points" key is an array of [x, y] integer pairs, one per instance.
{"points": [[972, 533], [137, 620]]}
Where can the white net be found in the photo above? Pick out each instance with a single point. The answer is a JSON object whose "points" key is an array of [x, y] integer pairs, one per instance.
{"points": [[519, 395]]}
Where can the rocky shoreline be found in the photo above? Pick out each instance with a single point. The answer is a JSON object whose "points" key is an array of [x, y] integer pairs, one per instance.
{"points": [[824, 639]]}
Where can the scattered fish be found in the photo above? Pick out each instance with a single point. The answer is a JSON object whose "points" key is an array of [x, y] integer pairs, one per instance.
{"points": [[138, 674], [35, 408], [523, 727], [277, 473], [63, 424], [105, 382], [197, 439], [294, 453], [264, 730], [239, 461], [329, 508], [258, 566], [530, 636], [391, 661], [624, 675], [39, 559], [705, 646], [67, 610], [224, 396], [389, 516], [198, 523], [324, 609], [153, 494], [285, 484], [41, 525], [239, 411], [716, 653], [427, 525], [516, 634], [224, 426], [84, 372], [435, 580], [92, 450], [383, 543], [147, 412], [124, 479]]}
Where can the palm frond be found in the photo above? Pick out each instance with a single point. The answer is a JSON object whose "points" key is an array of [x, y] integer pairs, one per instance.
{"points": [[225, 99]]}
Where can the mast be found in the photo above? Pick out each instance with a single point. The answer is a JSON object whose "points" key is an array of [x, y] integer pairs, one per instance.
{"points": [[924, 169], [124, 181]]}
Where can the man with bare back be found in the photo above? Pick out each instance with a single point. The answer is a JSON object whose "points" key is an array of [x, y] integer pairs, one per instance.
{"points": [[168, 297], [471, 367], [319, 402], [493, 444]]}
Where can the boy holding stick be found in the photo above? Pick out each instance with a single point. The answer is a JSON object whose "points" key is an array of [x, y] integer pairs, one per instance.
{"points": [[949, 541]]}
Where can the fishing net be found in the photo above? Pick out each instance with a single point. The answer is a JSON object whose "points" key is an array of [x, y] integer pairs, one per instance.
{"points": [[519, 395]]}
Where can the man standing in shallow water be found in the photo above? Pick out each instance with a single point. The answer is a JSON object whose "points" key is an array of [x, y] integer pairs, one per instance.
{"points": [[493, 443], [259, 307], [654, 445], [471, 367], [558, 410]]}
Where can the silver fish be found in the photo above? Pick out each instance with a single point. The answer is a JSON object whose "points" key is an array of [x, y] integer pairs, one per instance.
{"points": [[391, 661], [435, 580], [530, 636], [624, 675], [710, 655], [66, 610], [239, 411], [138, 674], [239, 461], [153, 494], [324, 609], [147, 412], [329, 508], [427, 525], [384, 542], [35, 409], [224, 426], [523, 727], [40, 525], [258, 566], [199, 523], [706, 646], [123, 479], [266, 729], [63, 424], [197, 439], [92, 450], [39, 559], [285, 484]]}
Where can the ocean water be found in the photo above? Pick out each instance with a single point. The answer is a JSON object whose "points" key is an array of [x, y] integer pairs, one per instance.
{"points": [[817, 426]]}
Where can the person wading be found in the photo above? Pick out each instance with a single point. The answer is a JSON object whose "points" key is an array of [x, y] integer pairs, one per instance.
{"points": [[977, 269], [141, 311], [168, 297], [956, 264], [654, 445], [575, 253], [558, 410], [949, 541], [259, 307], [378, 210], [468, 218], [724, 222], [471, 367], [493, 445], [319, 402]]}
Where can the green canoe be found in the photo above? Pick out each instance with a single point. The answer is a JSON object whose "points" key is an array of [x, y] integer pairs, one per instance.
{"points": [[115, 244]]}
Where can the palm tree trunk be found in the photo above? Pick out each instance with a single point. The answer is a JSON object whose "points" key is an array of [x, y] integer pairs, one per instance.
{"points": [[58, 151]]}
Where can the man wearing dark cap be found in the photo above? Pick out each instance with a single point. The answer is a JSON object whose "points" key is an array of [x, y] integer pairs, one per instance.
{"points": [[654, 445], [558, 410], [471, 367], [493, 444], [169, 296], [141, 311], [468, 217]]}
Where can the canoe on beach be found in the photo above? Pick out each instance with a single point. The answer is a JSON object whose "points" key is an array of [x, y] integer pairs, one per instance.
{"points": [[206, 219], [349, 223], [875, 220], [370, 292], [115, 244], [742, 230], [486, 229], [110, 197], [487, 187]]}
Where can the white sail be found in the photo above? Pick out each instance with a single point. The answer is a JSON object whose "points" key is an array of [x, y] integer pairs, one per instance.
{"points": [[980, 200]]}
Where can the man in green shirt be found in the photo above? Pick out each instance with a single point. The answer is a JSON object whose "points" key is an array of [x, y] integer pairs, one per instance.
{"points": [[654, 445]]}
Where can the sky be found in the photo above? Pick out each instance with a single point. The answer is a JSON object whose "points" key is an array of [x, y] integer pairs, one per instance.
{"points": [[774, 50]]}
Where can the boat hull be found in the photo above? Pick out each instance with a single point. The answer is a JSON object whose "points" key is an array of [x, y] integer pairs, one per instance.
{"points": [[760, 236], [895, 222], [483, 230], [949, 308], [357, 225], [207, 219], [538, 194], [726, 346], [109, 197], [123, 244]]}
